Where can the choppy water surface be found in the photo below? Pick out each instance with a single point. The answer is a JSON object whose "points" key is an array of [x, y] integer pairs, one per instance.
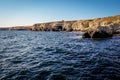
{"points": [[27, 55]]}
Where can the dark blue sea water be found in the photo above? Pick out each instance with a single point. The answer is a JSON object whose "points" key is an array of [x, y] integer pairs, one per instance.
{"points": [[29, 55]]}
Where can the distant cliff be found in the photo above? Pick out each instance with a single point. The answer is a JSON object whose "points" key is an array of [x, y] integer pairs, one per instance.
{"points": [[112, 22], [21, 28]]}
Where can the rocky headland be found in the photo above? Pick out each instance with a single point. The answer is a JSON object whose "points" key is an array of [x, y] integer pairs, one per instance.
{"points": [[92, 28]]}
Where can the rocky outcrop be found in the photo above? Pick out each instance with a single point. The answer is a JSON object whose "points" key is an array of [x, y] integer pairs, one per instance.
{"points": [[99, 32], [113, 23], [103, 28], [54, 26]]}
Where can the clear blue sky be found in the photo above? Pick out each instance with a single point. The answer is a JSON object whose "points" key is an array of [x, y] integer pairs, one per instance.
{"points": [[28, 12]]}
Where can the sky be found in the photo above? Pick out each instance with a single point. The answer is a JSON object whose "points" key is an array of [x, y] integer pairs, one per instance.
{"points": [[29, 12]]}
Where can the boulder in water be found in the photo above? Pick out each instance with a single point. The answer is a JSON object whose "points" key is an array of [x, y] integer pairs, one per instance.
{"points": [[99, 32]]}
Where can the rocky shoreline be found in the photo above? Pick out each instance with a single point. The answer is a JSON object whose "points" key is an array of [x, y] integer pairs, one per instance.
{"points": [[93, 28]]}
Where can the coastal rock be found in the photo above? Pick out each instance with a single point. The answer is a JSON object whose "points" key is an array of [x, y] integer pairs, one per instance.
{"points": [[100, 32], [67, 27]]}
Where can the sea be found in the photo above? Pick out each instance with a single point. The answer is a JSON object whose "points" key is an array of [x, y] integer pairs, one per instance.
{"points": [[39, 55]]}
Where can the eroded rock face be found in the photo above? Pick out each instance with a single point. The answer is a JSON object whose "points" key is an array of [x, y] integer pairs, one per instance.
{"points": [[99, 32]]}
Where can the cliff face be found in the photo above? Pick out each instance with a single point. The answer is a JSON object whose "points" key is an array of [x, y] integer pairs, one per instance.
{"points": [[21, 28], [54, 26], [113, 23], [6, 28]]}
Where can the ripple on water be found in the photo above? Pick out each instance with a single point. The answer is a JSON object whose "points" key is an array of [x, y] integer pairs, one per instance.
{"points": [[26, 55], [42, 75]]}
